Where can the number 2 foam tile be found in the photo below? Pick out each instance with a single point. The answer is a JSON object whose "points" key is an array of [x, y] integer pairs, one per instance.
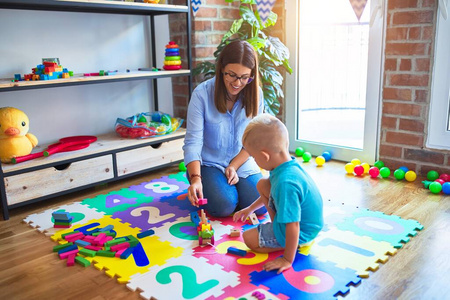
{"points": [[381, 227], [308, 278], [161, 188], [116, 201], [184, 277], [348, 250], [43, 221]]}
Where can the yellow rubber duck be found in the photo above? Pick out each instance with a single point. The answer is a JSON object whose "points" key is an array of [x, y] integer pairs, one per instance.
{"points": [[14, 137]]}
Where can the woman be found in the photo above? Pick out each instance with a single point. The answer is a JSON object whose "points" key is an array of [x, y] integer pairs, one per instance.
{"points": [[218, 168]]}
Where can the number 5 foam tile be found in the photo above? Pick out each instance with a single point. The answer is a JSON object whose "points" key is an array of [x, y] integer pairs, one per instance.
{"points": [[348, 250], [161, 188], [308, 278], [116, 201], [381, 227], [184, 277], [43, 222]]}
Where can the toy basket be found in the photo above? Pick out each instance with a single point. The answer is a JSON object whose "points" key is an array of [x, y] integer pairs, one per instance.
{"points": [[148, 124]]}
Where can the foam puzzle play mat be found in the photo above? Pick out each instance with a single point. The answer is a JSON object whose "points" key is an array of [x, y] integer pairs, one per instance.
{"points": [[150, 238]]}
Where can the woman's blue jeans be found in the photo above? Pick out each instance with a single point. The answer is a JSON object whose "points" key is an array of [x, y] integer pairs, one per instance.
{"points": [[224, 199]]}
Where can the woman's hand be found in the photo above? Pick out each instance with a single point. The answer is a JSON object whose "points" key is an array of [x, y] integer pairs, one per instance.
{"points": [[231, 174], [195, 191], [280, 263], [242, 215]]}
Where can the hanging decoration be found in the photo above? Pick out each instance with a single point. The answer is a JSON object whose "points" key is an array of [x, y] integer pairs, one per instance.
{"points": [[264, 8], [195, 6], [358, 7]]}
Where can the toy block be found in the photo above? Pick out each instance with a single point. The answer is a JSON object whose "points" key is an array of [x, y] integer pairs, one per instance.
{"points": [[120, 246], [195, 218], [17, 76], [234, 232], [203, 218], [60, 215], [65, 75], [82, 243], [236, 251], [258, 295], [71, 260], [107, 239], [107, 228], [132, 241], [105, 253], [82, 261], [62, 246], [145, 233], [202, 201], [253, 219], [98, 239], [119, 253], [69, 233], [115, 242], [69, 248], [89, 238], [126, 253], [62, 226], [87, 252], [67, 254], [93, 248], [73, 237]]}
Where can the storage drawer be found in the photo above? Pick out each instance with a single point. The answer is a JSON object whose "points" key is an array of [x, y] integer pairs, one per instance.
{"points": [[149, 157], [27, 186]]}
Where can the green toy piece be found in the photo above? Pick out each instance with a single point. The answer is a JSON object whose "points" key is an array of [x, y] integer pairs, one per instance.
{"points": [[385, 172], [399, 174], [182, 167], [82, 261], [426, 183], [435, 187], [432, 175], [379, 164], [299, 151], [306, 156]]}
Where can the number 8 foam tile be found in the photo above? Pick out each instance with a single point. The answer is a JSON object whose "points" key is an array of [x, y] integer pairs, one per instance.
{"points": [[184, 277], [161, 188]]}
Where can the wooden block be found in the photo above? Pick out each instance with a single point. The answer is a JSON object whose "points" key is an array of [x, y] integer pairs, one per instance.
{"points": [[105, 253], [253, 219], [67, 254], [126, 253], [145, 233], [202, 201], [82, 261], [236, 251], [71, 260], [234, 232], [120, 246], [87, 252], [62, 246], [69, 248]]}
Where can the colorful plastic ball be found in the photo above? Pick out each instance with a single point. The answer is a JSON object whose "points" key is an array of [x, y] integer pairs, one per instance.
{"points": [[432, 175], [374, 172], [306, 156], [182, 167], [410, 176], [366, 167], [326, 155], [299, 151], [359, 170], [441, 181], [445, 177], [385, 172], [379, 164], [320, 160], [404, 168], [435, 187], [349, 168], [446, 188], [399, 174], [356, 161]]}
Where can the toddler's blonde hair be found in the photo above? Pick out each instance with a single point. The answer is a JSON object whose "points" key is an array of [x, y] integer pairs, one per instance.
{"points": [[265, 132]]}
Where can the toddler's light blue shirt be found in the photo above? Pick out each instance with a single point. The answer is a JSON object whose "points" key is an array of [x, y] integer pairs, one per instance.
{"points": [[215, 138]]}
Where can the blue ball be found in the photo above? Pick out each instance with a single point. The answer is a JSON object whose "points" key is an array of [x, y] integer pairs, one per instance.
{"points": [[446, 188], [326, 155], [405, 169]]}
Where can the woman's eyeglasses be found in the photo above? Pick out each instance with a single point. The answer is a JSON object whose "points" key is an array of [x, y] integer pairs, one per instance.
{"points": [[231, 77]]}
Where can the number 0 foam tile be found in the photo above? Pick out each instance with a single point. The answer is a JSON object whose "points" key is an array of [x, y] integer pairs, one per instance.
{"points": [[348, 250], [184, 277], [43, 221], [381, 227]]}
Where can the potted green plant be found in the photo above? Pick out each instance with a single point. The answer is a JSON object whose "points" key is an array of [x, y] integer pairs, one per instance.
{"points": [[272, 53]]}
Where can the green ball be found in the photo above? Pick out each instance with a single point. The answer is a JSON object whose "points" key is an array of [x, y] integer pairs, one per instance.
{"points": [[432, 175], [299, 151], [142, 119], [399, 174], [182, 167], [379, 164], [306, 156], [385, 172], [435, 187]]}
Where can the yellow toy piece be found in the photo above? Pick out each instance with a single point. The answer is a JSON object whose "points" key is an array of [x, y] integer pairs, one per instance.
{"points": [[14, 137], [172, 62]]}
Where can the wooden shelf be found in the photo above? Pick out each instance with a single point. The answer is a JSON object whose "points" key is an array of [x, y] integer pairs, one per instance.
{"points": [[79, 79], [95, 6], [109, 143]]}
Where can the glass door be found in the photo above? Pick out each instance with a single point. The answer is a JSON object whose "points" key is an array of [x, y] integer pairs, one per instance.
{"points": [[333, 95]]}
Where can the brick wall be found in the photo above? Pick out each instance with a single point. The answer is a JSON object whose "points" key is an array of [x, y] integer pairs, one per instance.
{"points": [[406, 89]]}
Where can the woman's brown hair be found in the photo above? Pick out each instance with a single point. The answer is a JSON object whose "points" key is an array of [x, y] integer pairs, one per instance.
{"points": [[238, 52]]}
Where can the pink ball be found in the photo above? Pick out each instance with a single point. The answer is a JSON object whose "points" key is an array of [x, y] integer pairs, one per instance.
{"points": [[374, 172], [441, 181], [359, 170], [445, 177]]}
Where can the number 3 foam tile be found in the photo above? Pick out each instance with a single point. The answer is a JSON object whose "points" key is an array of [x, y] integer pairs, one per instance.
{"points": [[116, 201], [349, 250], [161, 188], [381, 227], [308, 278], [43, 222], [184, 277]]}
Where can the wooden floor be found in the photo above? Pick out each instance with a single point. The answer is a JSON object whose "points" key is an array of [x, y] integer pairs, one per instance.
{"points": [[421, 270]]}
